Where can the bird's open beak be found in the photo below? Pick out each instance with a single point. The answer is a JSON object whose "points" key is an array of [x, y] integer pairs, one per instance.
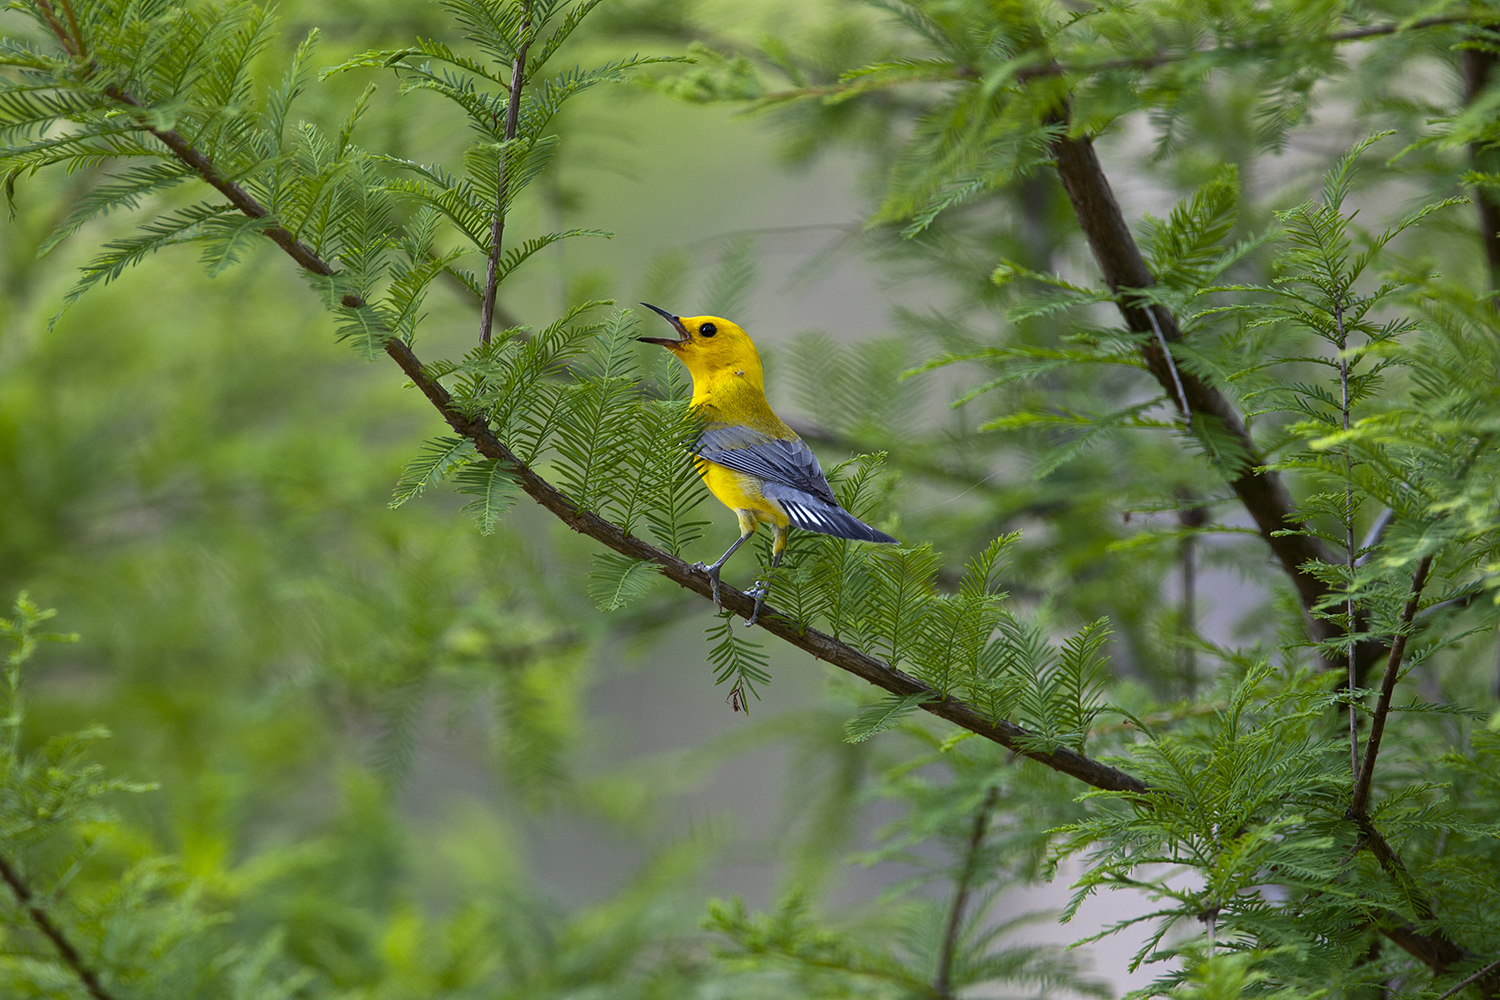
{"points": [[682, 333]]}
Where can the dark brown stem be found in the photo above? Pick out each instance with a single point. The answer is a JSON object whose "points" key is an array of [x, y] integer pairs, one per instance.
{"points": [[1478, 65], [1435, 949], [819, 644], [1436, 953], [237, 195], [942, 982], [52, 932], [1359, 803], [1391, 863], [1261, 491], [497, 224]]}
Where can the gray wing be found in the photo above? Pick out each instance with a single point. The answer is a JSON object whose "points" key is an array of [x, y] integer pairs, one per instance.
{"points": [[778, 461]]}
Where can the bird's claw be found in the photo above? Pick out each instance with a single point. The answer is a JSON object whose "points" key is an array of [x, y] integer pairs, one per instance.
{"points": [[713, 576], [759, 592]]}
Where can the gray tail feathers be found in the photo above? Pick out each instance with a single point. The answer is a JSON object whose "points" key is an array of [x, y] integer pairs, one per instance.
{"points": [[813, 515]]}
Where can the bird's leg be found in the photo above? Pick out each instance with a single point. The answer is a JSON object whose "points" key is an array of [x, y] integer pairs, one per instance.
{"points": [[763, 587], [713, 569]]}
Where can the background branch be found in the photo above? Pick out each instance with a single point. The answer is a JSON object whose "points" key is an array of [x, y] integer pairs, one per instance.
{"points": [[1260, 490], [1478, 68], [52, 932], [1360, 801], [942, 982]]}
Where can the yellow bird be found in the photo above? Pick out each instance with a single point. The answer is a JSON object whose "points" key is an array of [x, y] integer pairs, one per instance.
{"points": [[748, 457]]}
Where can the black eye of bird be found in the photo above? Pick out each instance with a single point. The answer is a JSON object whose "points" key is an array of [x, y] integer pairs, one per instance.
{"points": [[708, 329]]}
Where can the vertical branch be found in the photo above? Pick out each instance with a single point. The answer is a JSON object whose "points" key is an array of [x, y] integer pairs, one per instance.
{"points": [[1349, 552], [497, 224], [942, 986], [1477, 67], [1358, 805], [1194, 518]]}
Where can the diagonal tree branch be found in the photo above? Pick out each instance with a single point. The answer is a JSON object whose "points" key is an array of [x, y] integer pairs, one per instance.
{"points": [[1488, 970], [1260, 490], [1435, 953], [1436, 949], [819, 644], [52, 932], [822, 646], [1433, 948], [1359, 803]]}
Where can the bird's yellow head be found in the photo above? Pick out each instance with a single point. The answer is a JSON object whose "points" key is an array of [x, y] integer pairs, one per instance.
{"points": [[712, 348]]}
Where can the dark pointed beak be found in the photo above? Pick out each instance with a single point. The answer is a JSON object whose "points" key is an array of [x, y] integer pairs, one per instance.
{"points": [[682, 333]]}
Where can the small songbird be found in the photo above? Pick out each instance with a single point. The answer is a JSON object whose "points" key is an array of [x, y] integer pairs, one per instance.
{"points": [[748, 457]]}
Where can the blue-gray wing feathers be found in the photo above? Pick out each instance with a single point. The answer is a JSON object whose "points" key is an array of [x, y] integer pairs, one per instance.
{"points": [[790, 475]]}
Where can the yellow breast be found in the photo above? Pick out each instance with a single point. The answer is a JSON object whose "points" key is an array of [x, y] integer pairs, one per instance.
{"points": [[740, 492]]}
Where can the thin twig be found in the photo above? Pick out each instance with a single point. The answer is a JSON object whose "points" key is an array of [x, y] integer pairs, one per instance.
{"points": [[1360, 801], [1167, 58], [53, 933], [1192, 518], [67, 6], [1349, 622], [942, 982], [497, 224], [819, 644], [1154, 61], [1492, 967], [57, 29], [1182, 400], [1375, 535]]}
